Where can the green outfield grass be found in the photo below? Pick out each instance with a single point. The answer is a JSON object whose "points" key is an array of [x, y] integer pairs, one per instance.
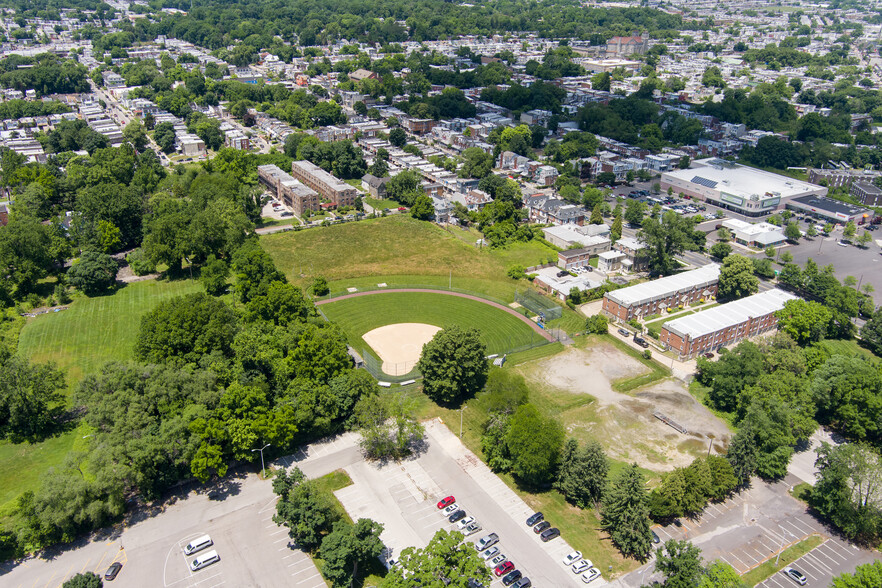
{"points": [[96, 330], [500, 331]]}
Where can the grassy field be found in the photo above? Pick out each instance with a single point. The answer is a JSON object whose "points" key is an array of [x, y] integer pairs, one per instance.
{"points": [[399, 250], [71, 339], [380, 205], [500, 331], [788, 556]]}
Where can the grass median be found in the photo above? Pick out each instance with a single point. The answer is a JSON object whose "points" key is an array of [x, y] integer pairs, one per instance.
{"points": [[788, 556]]}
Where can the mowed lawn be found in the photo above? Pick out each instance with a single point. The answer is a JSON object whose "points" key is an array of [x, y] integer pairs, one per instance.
{"points": [[500, 331], [399, 250], [93, 331]]}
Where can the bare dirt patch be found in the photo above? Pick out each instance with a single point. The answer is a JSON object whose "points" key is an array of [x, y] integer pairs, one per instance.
{"points": [[400, 345], [624, 423]]}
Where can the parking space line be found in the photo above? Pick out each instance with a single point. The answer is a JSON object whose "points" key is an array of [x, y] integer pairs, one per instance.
{"points": [[309, 578], [831, 554], [806, 562], [815, 553]]}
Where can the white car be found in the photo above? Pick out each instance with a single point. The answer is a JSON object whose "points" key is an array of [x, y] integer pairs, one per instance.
{"points": [[497, 560], [572, 558], [580, 566], [450, 510], [463, 523], [488, 553], [590, 575]]}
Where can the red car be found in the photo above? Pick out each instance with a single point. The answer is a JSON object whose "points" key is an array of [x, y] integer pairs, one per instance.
{"points": [[445, 502], [503, 568], [402, 209]]}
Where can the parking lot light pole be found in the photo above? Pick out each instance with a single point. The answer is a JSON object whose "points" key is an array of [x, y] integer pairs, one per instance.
{"points": [[782, 544], [262, 466], [461, 409]]}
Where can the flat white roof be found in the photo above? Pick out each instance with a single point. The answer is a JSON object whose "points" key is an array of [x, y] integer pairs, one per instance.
{"points": [[663, 287], [740, 180], [728, 315]]}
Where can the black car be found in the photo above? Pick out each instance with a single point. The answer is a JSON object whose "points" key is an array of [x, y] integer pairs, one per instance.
{"points": [[511, 577], [112, 571], [549, 534], [541, 527], [457, 516], [535, 518]]}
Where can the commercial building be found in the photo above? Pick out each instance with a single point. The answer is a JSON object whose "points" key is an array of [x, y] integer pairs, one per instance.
{"points": [[336, 191], [724, 325], [658, 295], [741, 189], [295, 195], [829, 210], [755, 235]]}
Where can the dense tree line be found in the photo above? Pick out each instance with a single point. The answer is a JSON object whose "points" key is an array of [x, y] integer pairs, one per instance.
{"points": [[44, 73]]}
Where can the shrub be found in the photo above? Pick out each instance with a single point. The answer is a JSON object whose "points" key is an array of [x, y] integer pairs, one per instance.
{"points": [[516, 272], [140, 264], [636, 324], [647, 354], [597, 324], [652, 332]]}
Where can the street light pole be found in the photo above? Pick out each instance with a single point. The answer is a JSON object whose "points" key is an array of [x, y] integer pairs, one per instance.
{"points": [[262, 466], [461, 409]]}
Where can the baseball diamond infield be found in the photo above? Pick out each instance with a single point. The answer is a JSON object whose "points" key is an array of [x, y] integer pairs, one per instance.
{"points": [[399, 345]]}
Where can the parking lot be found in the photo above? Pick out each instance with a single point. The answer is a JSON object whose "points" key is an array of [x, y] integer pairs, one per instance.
{"points": [[753, 527], [403, 496]]}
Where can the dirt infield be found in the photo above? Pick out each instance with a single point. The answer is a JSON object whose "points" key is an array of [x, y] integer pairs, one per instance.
{"points": [[399, 345], [527, 321]]}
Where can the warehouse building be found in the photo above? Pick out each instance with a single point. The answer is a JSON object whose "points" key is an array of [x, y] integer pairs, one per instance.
{"points": [[336, 191], [829, 210], [724, 325], [295, 195], [741, 189], [658, 295]]}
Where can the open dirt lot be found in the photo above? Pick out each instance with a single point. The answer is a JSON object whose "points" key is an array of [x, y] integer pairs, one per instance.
{"points": [[624, 423], [400, 344]]}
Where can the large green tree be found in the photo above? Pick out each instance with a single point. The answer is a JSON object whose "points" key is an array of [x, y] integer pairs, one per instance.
{"points": [[804, 320], [865, 576], [84, 580], [446, 562], [581, 477], [453, 364], [680, 562], [665, 238], [736, 278], [93, 273], [304, 508], [625, 513], [347, 547], [30, 398], [534, 442]]}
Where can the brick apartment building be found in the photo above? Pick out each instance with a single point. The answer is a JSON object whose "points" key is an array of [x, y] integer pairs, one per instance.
{"points": [[334, 190], [724, 325], [656, 296], [298, 197]]}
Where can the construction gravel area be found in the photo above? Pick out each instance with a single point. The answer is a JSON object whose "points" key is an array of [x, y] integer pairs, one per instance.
{"points": [[625, 423]]}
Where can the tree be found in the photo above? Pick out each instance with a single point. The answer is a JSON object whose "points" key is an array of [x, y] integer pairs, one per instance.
{"points": [[320, 286], [792, 232], [601, 81], [846, 391], [134, 134], [398, 137], [812, 231], [804, 320], [625, 513], [596, 216], [770, 251], [254, 271], [720, 575], [680, 562], [446, 562], [736, 278], [845, 492], [93, 273], [476, 163], [664, 238], [742, 457], [84, 580], [164, 135], [304, 508], [31, 398], [453, 364], [849, 230], [634, 211], [581, 477], [25, 254], [422, 208], [871, 332], [534, 442], [786, 258], [347, 547], [606, 178], [213, 275], [864, 239], [185, 328], [388, 427], [735, 370], [720, 250], [865, 576]]}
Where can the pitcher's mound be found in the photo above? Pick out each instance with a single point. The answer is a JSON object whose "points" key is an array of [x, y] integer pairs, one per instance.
{"points": [[400, 345]]}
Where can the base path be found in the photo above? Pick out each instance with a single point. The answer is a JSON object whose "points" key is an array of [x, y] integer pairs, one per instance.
{"points": [[510, 311]]}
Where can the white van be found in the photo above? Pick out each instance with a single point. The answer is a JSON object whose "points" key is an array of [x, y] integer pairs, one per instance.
{"points": [[198, 544], [206, 559]]}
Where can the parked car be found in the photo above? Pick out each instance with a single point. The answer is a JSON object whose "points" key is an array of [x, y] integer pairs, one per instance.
{"points": [[488, 553], [624, 332], [449, 510], [571, 558], [795, 575], [498, 560], [472, 529], [487, 541], [445, 502], [511, 578], [580, 566], [474, 583], [457, 516], [113, 571], [503, 568], [709, 355], [655, 538], [523, 583], [641, 342], [591, 575], [549, 534], [535, 518], [541, 527], [463, 523]]}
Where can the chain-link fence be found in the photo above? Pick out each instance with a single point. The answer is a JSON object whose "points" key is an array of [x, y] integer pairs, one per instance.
{"points": [[538, 304]]}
